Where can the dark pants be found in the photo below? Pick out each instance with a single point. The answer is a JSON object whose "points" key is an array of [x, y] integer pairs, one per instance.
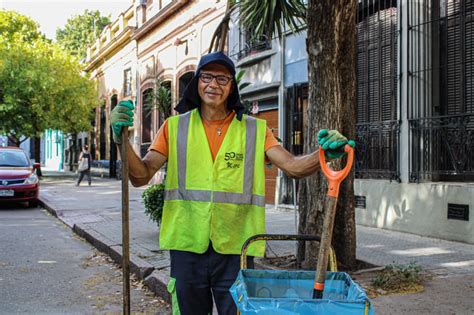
{"points": [[200, 277], [81, 176]]}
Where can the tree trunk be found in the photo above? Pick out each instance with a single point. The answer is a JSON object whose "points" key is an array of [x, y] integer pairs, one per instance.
{"points": [[332, 91], [72, 151], [13, 139], [37, 149], [37, 153]]}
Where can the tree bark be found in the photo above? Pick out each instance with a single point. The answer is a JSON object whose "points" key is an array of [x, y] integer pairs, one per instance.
{"points": [[37, 149], [14, 139], [332, 97], [37, 154], [72, 151]]}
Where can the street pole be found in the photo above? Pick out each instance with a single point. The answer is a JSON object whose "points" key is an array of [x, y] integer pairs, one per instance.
{"points": [[125, 226]]}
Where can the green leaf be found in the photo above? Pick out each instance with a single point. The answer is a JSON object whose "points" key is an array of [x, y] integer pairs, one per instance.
{"points": [[153, 200], [42, 89], [244, 85], [239, 76], [270, 18], [80, 31]]}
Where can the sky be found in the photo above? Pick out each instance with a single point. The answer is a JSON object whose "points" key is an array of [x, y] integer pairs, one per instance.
{"points": [[52, 14]]}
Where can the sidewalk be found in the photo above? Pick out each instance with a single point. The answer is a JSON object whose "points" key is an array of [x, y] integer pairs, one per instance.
{"points": [[95, 214]]}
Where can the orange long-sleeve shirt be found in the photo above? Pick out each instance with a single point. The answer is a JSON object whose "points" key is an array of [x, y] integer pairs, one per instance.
{"points": [[212, 128]]}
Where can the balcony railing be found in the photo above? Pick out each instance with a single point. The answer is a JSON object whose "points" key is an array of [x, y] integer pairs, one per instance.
{"points": [[441, 148], [255, 46], [377, 150]]}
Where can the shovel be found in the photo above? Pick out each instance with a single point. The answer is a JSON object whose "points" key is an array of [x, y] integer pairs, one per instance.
{"points": [[335, 179], [125, 226]]}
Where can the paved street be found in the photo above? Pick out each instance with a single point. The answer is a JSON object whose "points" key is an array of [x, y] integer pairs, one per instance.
{"points": [[47, 269], [95, 211]]}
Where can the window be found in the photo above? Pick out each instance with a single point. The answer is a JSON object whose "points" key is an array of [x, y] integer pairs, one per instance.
{"points": [[127, 82], [184, 81], [377, 123], [163, 115], [146, 116], [103, 126], [441, 90]]}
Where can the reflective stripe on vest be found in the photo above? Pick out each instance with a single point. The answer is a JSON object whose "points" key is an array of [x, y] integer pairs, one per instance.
{"points": [[218, 196]]}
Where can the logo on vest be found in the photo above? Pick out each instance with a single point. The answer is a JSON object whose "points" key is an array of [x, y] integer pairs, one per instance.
{"points": [[234, 160]]}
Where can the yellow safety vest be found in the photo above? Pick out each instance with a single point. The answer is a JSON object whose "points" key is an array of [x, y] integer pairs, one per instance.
{"points": [[222, 201]]}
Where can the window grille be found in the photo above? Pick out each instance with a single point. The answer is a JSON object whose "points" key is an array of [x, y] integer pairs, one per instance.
{"points": [[296, 104], [441, 89], [249, 44], [377, 123]]}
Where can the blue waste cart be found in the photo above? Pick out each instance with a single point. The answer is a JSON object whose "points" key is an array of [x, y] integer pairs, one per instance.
{"points": [[283, 292]]}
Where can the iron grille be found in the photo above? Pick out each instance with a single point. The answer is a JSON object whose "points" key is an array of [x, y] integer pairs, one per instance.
{"points": [[360, 202], [377, 150], [296, 104], [441, 89], [11, 182], [458, 212], [377, 124], [249, 45]]}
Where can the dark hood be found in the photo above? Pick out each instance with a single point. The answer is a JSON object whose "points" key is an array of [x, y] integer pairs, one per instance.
{"points": [[191, 99]]}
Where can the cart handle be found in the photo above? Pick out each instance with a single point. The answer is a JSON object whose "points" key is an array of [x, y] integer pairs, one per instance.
{"points": [[272, 237], [284, 237], [335, 178]]}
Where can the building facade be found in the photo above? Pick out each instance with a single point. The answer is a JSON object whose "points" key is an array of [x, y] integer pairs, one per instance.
{"points": [[415, 111], [415, 117], [170, 41], [112, 63], [151, 41]]}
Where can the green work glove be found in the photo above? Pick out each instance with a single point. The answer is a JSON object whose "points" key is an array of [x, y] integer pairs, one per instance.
{"points": [[121, 115], [333, 143]]}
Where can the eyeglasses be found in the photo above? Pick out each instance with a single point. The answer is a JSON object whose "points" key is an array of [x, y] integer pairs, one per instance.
{"points": [[220, 79]]}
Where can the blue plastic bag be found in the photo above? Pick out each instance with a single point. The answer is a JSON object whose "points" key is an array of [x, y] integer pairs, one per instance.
{"points": [[278, 292]]}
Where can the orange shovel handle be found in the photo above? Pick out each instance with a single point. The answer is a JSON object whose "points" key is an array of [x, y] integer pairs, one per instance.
{"points": [[335, 178]]}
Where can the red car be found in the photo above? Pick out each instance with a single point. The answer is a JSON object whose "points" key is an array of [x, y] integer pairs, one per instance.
{"points": [[18, 179]]}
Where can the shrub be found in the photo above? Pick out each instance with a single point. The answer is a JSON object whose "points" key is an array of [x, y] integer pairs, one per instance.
{"points": [[153, 199]]}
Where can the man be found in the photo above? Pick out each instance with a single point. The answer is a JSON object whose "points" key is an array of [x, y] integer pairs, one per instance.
{"points": [[215, 183]]}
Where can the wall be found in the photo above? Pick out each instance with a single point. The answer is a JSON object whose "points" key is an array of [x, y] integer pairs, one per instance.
{"points": [[173, 48], [416, 208], [109, 76], [53, 150]]}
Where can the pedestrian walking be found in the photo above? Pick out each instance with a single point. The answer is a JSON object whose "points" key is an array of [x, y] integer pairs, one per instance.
{"points": [[215, 182], [84, 167]]}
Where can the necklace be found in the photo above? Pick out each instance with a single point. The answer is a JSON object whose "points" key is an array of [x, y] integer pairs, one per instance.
{"points": [[218, 129]]}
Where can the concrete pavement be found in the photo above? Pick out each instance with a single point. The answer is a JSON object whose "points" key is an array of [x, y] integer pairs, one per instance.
{"points": [[95, 214]]}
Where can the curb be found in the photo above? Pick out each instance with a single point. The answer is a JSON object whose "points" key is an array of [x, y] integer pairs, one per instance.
{"points": [[155, 280]]}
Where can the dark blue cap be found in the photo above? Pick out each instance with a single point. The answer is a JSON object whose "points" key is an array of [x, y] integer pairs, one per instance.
{"points": [[216, 57], [191, 99]]}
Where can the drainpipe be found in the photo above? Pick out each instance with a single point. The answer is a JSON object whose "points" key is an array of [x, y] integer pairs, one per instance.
{"points": [[136, 133], [281, 112]]}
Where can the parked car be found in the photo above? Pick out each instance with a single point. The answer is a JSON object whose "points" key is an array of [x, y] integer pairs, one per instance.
{"points": [[18, 179]]}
